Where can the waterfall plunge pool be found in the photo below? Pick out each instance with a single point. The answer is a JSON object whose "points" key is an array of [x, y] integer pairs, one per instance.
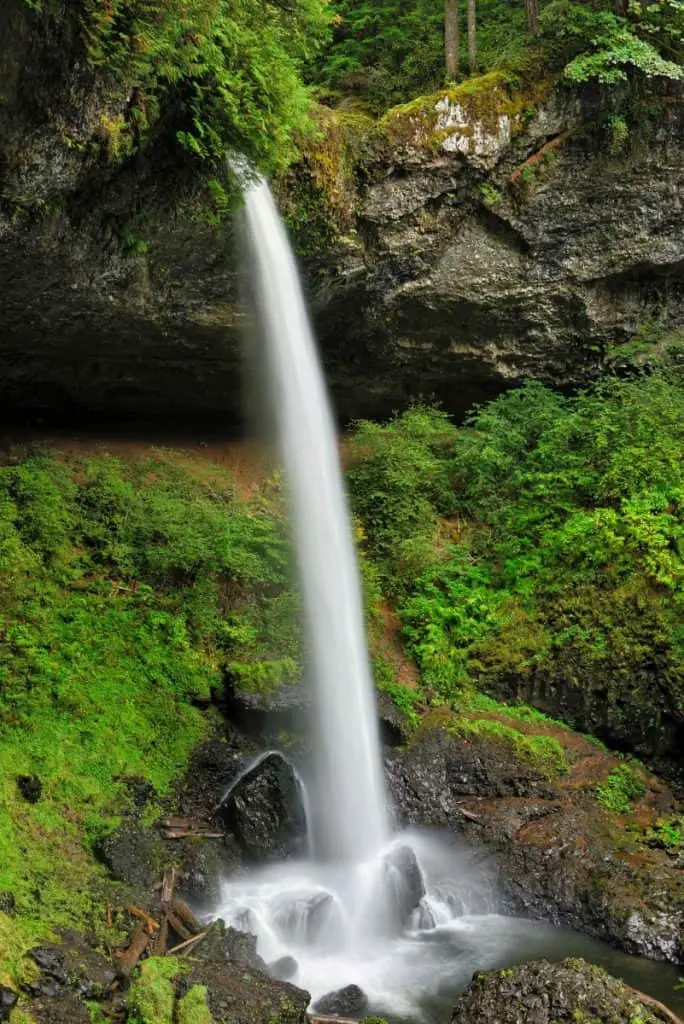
{"points": [[413, 965]]}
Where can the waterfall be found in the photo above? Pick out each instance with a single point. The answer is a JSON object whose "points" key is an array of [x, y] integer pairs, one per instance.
{"points": [[356, 909], [350, 815]]}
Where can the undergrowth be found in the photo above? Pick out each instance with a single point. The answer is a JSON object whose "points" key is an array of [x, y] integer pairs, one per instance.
{"points": [[127, 591], [544, 540]]}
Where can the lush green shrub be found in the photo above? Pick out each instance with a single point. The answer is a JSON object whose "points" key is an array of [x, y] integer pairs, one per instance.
{"points": [[399, 480], [565, 525], [205, 75]]}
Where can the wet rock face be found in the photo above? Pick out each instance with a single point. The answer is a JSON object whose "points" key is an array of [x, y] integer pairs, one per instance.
{"points": [[406, 884], [544, 993], [70, 974], [350, 1001], [443, 289], [265, 812], [557, 853]]}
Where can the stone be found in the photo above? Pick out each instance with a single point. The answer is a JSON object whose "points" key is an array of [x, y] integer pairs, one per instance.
{"points": [[350, 1001], [265, 811], [30, 787], [543, 993], [284, 969], [8, 999], [405, 881]]}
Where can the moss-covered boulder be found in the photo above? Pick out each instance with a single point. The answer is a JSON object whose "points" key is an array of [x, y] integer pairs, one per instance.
{"points": [[571, 992]]}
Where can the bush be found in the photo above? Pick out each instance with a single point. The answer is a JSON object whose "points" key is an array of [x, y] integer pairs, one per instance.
{"points": [[551, 536]]}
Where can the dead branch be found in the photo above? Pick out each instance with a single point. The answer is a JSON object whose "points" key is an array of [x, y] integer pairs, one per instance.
{"points": [[152, 925], [168, 886], [189, 943], [663, 1010]]}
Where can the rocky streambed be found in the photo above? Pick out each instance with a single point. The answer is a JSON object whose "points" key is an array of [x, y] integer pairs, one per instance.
{"points": [[530, 829]]}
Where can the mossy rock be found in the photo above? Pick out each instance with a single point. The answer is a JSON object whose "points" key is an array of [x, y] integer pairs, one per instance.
{"points": [[543, 993], [193, 1008], [152, 995]]}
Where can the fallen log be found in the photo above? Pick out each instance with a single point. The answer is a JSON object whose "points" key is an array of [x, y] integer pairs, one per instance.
{"points": [[192, 833], [152, 925], [177, 925], [128, 959], [162, 937], [183, 911], [188, 944]]}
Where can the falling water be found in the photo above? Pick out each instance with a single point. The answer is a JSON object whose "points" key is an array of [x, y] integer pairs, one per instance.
{"points": [[351, 816], [351, 911]]}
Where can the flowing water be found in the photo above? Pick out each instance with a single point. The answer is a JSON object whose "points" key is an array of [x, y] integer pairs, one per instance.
{"points": [[407, 917]]}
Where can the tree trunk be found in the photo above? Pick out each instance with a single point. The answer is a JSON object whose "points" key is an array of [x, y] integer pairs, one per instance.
{"points": [[532, 16], [451, 40], [472, 38]]}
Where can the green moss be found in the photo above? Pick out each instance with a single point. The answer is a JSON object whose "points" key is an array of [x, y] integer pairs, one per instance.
{"points": [[483, 99], [19, 1016], [545, 753], [192, 1008], [152, 995], [622, 787]]}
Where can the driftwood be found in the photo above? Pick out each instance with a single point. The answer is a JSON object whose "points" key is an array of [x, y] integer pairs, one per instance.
{"points": [[188, 944], [162, 937], [168, 886], [129, 958], [661, 1009], [185, 914], [321, 1018], [151, 934], [177, 925], [152, 925], [469, 814], [179, 828]]}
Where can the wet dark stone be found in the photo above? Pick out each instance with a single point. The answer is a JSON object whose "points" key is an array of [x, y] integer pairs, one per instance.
{"points": [[52, 968], [265, 811], [350, 1001], [283, 969], [405, 879], [8, 999], [241, 988], [30, 787]]}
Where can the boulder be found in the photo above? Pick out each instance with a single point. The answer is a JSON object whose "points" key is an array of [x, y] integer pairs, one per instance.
{"points": [[544, 993], [350, 1001], [283, 969], [404, 880], [264, 810]]}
